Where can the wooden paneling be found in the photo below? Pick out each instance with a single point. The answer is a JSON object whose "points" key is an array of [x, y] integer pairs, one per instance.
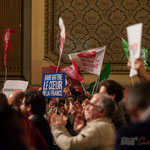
{"points": [[11, 17]]}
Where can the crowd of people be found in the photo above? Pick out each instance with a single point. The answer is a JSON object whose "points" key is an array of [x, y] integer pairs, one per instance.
{"points": [[107, 120]]}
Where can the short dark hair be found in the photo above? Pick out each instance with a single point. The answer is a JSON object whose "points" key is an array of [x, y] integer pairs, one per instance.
{"points": [[139, 95], [72, 96], [61, 102], [112, 87], [37, 101], [3, 99]]}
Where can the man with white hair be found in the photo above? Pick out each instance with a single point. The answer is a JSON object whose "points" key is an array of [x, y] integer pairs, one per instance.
{"points": [[98, 133]]}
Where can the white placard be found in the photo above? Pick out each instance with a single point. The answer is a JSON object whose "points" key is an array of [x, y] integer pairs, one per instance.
{"points": [[12, 85], [134, 34], [90, 60]]}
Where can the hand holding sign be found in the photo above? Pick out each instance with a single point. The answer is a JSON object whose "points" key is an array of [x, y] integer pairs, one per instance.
{"points": [[134, 33]]}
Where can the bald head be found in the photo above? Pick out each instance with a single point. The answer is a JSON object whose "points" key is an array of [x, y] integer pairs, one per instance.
{"points": [[15, 98]]}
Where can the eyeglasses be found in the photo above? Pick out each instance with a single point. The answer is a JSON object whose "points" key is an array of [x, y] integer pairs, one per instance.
{"points": [[98, 107]]}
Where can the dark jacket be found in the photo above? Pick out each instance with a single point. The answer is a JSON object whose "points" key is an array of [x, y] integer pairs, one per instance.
{"points": [[136, 136], [44, 128]]}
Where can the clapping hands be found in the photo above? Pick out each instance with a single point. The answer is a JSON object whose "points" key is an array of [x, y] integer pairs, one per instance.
{"points": [[79, 123], [57, 120]]}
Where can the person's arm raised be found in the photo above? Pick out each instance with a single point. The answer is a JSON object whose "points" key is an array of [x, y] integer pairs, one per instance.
{"points": [[139, 66]]}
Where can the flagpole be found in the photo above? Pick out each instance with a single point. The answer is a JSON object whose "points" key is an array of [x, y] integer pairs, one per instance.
{"points": [[5, 73], [132, 81], [83, 86], [97, 85], [81, 83], [94, 86], [58, 63]]}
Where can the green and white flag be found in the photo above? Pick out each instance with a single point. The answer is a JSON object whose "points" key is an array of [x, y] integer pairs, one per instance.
{"points": [[103, 76], [143, 54]]}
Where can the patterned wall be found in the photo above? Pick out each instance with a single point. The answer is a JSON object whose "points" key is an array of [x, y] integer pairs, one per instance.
{"points": [[94, 23]]}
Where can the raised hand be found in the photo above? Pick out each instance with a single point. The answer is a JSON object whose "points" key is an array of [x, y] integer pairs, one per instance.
{"points": [[78, 107], [139, 66], [49, 117], [75, 108], [57, 120], [79, 123]]}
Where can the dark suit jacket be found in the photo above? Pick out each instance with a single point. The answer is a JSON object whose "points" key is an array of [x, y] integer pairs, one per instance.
{"points": [[136, 136], [44, 128]]}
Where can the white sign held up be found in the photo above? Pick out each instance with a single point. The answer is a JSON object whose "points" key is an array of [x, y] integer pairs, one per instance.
{"points": [[134, 34], [12, 85]]}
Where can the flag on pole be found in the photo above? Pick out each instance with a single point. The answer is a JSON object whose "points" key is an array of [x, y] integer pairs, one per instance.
{"points": [[143, 54], [71, 71], [55, 68], [7, 44], [62, 35], [77, 72], [90, 61], [62, 39]]}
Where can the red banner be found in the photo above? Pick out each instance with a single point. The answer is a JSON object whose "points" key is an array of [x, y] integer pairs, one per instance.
{"points": [[71, 71], [77, 72], [55, 68]]}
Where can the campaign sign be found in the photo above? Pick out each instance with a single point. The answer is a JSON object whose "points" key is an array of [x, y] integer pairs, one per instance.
{"points": [[12, 85], [53, 84], [90, 60], [134, 33]]}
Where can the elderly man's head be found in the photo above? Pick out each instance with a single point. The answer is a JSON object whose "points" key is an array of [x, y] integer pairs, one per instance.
{"points": [[101, 105]]}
